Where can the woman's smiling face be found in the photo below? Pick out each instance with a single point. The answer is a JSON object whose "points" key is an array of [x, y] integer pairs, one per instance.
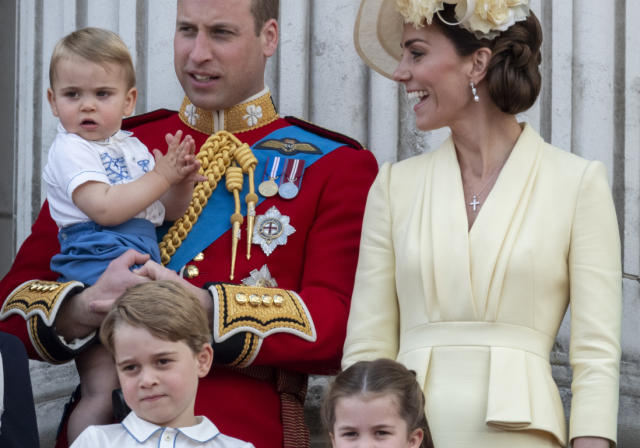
{"points": [[435, 76]]}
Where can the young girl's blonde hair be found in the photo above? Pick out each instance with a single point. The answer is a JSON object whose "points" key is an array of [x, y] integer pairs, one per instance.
{"points": [[380, 377]]}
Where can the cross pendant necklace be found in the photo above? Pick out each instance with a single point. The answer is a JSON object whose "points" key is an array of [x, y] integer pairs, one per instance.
{"points": [[474, 203]]}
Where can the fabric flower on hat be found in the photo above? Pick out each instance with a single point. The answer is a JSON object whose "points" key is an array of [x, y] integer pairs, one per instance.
{"points": [[486, 19], [416, 12], [492, 16]]}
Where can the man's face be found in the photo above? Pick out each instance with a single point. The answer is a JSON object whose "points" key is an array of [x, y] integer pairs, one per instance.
{"points": [[218, 57]]}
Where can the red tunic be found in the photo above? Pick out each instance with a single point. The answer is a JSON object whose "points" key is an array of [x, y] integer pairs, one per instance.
{"points": [[318, 262]]}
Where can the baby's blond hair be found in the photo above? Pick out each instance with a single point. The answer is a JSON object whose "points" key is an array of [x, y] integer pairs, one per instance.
{"points": [[95, 45]]}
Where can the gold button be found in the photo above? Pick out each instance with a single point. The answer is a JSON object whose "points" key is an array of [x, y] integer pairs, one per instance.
{"points": [[278, 300], [241, 298], [191, 271], [255, 300], [267, 300], [199, 257]]}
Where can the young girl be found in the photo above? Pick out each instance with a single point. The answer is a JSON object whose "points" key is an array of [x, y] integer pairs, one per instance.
{"points": [[106, 192], [376, 403]]}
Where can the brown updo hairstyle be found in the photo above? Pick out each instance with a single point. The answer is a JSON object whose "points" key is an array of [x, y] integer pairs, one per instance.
{"points": [[513, 75], [371, 379]]}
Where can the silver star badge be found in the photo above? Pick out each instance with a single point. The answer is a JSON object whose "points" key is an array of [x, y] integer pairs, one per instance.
{"points": [[272, 229], [260, 278]]}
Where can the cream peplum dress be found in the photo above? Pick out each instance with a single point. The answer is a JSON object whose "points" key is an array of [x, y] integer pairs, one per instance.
{"points": [[475, 313]]}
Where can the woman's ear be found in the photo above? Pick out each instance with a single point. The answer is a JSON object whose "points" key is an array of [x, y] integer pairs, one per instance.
{"points": [[480, 60]]}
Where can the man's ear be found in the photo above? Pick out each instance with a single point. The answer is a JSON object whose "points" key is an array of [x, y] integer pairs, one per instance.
{"points": [[204, 358], [269, 37], [480, 60], [130, 101], [51, 97]]}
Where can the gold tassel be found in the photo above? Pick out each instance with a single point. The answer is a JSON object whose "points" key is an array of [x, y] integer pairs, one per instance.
{"points": [[234, 185]]}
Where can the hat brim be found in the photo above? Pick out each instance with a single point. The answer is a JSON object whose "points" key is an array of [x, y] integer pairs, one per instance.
{"points": [[378, 34]]}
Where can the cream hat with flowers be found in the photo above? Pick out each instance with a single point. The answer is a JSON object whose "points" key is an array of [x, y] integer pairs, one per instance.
{"points": [[379, 24]]}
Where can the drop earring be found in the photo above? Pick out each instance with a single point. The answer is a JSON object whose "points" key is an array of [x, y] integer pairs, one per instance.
{"points": [[474, 92]]}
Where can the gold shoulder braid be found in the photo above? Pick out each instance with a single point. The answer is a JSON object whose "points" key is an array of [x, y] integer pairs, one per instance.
{"points": [[216, 157]]}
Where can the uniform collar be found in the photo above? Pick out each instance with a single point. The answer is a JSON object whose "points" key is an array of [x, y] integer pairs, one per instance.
{"points": [[141, 430], [253, 113]]}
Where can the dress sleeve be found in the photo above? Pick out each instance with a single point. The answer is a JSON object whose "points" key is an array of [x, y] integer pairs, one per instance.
{"points": [[372, 330], [596, 302], [73, 162]]}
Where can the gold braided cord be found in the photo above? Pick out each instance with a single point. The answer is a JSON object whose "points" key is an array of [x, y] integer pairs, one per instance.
{"points": [[215, 156]]}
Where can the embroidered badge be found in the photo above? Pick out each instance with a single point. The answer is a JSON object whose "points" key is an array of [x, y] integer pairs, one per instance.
{"points": [[288, 146], [253, 115], [273, 230], [191, 114], [261, 278]]}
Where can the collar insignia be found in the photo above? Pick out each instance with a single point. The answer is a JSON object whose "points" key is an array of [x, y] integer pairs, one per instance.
{"points": [[252, 114]]}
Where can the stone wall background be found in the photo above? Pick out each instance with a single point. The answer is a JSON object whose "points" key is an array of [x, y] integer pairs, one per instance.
{"points": [[589, 105]]}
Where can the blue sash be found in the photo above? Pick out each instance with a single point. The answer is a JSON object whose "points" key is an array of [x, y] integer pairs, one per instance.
{"points": [[214, 219]]}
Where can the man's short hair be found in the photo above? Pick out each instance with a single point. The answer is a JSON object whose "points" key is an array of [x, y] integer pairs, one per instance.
{"points": [[165, 309], [262, 11], [95, 45]]}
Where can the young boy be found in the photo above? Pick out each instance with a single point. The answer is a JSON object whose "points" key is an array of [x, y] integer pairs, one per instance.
{"points": [[159, 336], [105, 190]]}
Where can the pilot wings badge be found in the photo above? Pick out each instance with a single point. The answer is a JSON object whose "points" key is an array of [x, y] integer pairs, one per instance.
{"points": [[288, 146]]}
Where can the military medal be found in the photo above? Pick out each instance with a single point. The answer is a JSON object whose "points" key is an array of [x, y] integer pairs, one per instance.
{"points": [[272, 230], [293, 174], [269, 187]]}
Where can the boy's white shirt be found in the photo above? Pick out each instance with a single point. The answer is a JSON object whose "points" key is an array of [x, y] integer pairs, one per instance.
{"points": [[139, 433], [72, 161]]}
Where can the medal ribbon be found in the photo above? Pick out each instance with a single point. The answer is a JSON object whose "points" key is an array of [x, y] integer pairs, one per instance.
{"points": [[275, 164], [293, 171]]}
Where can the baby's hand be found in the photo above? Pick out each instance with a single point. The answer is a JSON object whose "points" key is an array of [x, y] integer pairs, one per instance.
{"points": [[179, 163]]}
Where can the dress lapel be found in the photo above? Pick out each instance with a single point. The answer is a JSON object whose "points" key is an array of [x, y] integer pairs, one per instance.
{"points": [[449, 238], [495, 230]]}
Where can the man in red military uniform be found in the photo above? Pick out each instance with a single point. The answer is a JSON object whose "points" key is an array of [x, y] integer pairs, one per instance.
{"points": [[274, 266]]}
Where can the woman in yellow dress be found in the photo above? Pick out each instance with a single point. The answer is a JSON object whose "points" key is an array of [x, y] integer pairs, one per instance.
{"points": [[471, 254]]}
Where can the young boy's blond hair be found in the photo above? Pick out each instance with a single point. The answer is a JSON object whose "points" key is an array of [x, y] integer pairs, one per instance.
{"points": [[95, 45], [165, 309]]}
